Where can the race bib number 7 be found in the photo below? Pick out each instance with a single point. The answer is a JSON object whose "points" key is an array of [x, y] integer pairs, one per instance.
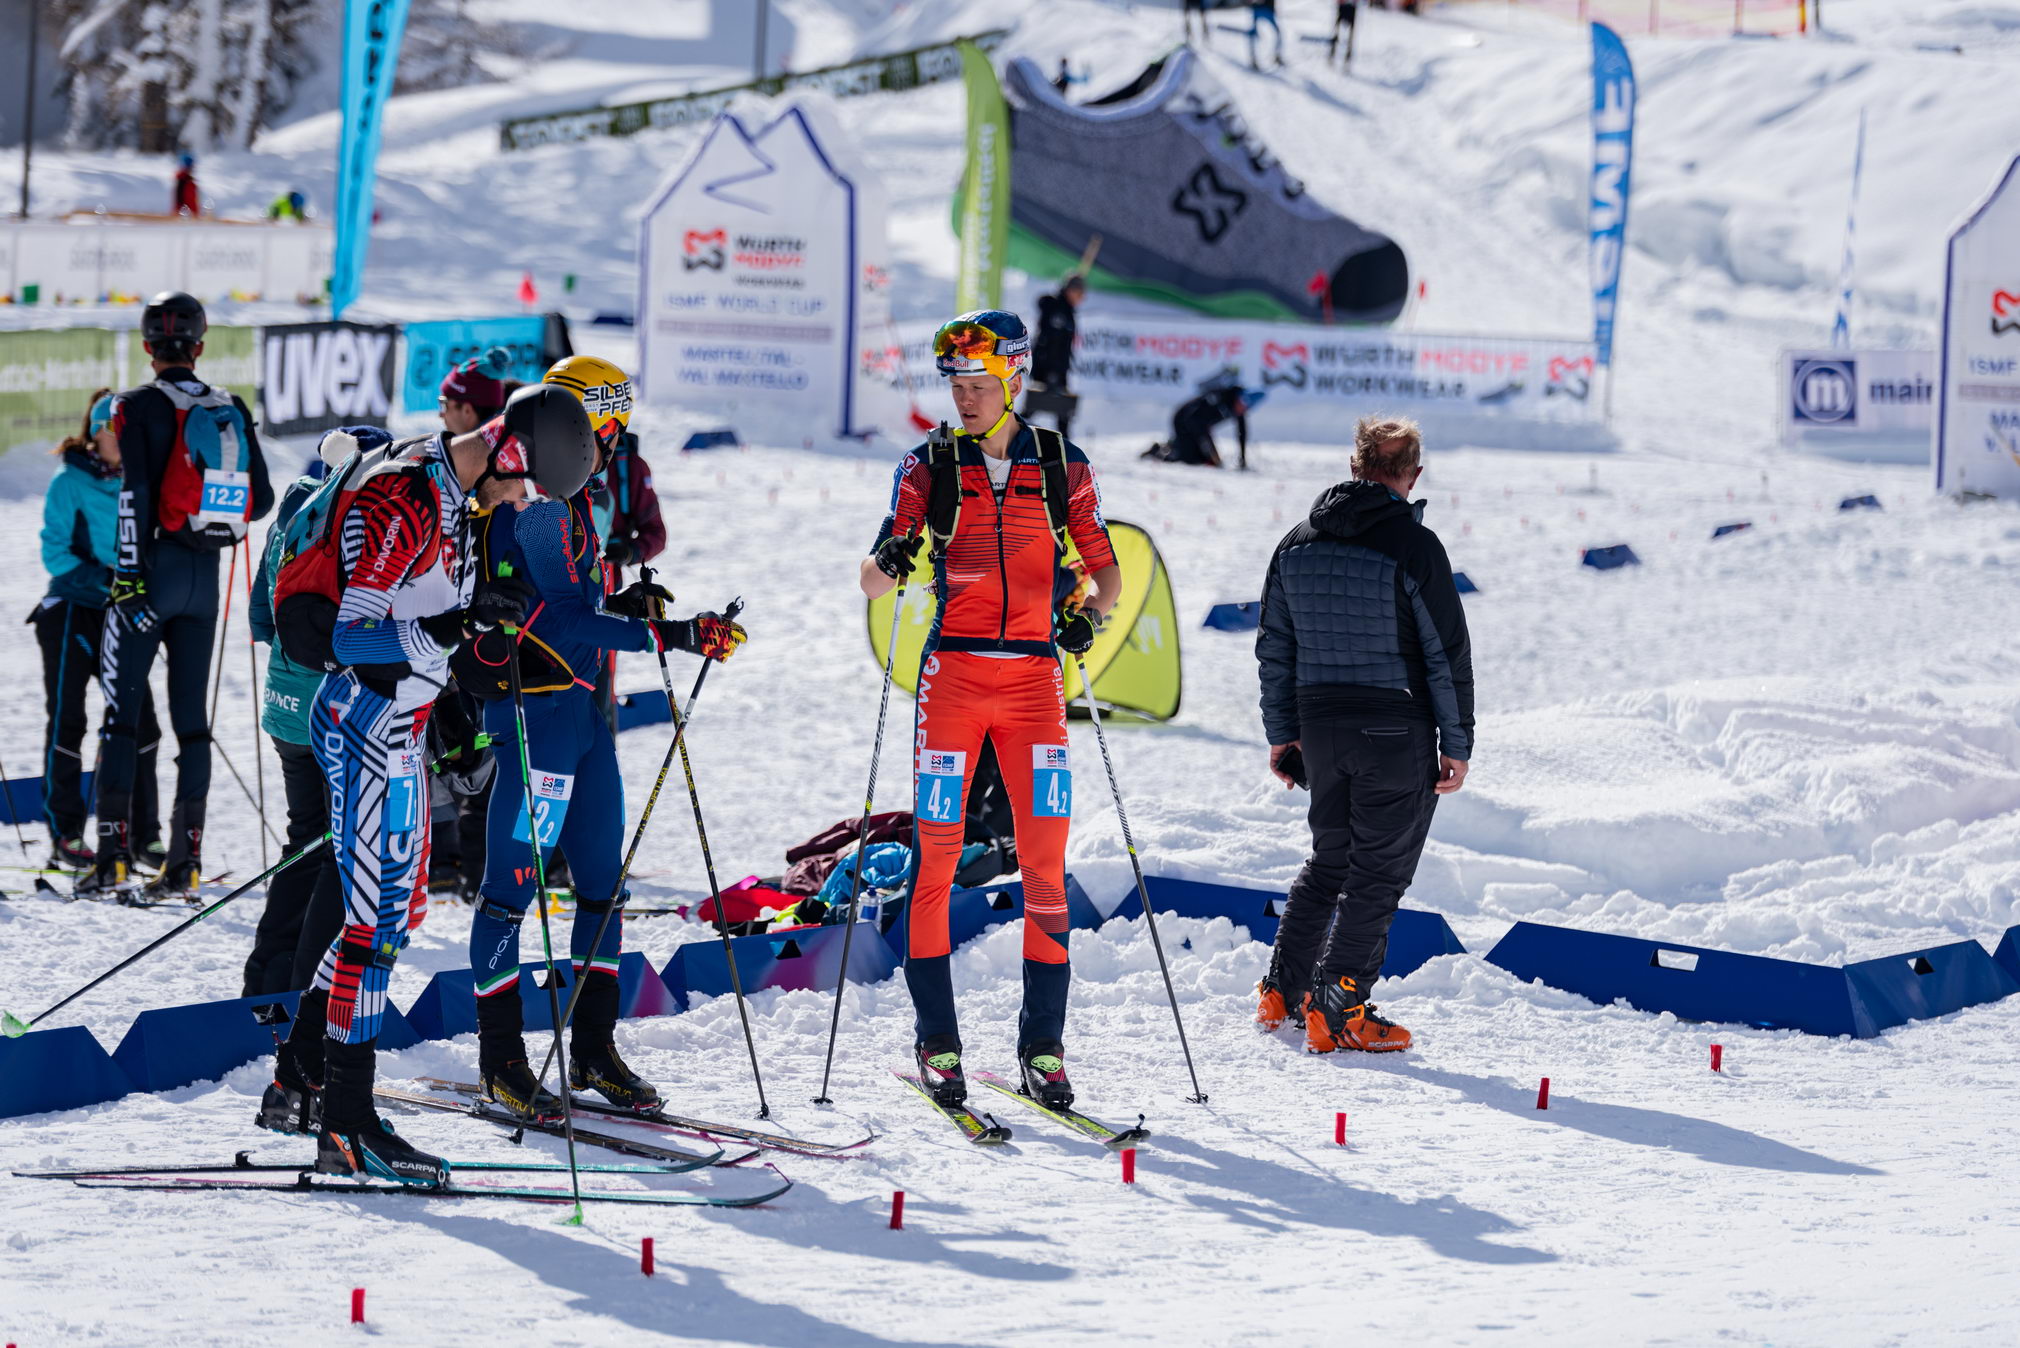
{"points": [[403, 790], [941, 777], [551, 791], [1051, 782]]}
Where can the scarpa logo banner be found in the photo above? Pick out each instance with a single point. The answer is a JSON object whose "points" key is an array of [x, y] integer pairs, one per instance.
{"points": [[433, 349], [319, 376]]}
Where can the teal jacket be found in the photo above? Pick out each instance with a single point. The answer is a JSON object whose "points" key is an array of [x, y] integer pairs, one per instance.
{"points": [[80, 526], [284, 710]]}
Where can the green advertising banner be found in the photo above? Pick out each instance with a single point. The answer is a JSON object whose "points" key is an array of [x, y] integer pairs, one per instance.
{"points": [[985, 186], [46, 376]]}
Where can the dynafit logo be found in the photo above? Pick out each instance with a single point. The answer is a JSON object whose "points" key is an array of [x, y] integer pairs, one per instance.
{"points": [[2005, 312], [1285, 364], [704, 248]]}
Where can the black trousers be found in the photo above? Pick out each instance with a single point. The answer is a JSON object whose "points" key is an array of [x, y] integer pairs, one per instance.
{"points": [[305, 906], [1372, 780], [68, 633], [182, 590]]}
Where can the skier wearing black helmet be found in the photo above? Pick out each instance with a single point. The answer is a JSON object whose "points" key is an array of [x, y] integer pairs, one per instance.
{"points": [[193, 481], [396, 578]]}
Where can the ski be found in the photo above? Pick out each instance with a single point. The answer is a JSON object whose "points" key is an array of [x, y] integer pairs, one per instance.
{"points": [[129, 895], [981, 1129], [494, 1113], [304, 1182], [1113, 1138], [680, 1123], [243, 1164]]}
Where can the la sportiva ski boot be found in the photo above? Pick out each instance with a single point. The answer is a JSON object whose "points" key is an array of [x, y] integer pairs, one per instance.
{"points": [[511, 1084], [354, 1139], [1340, 1016], [1270, 1012], [1043, 1068], [70, 854], [940, 1070], [598, 1068], [181, 870], [293, 1100]]}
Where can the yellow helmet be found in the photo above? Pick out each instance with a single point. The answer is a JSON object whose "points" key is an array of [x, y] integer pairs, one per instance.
{"points": [[604, 389]]}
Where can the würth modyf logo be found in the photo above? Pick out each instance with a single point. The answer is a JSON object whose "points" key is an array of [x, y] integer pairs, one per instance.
{"points": [[704, 248], [1211, 203], [1826, 392], [1284, 364]]}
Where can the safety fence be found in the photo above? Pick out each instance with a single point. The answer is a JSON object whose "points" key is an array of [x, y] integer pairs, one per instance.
{"points": [[172, 1047], [1676, 18]]}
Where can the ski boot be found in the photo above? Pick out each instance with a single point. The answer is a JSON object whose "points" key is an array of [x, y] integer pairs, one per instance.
{"points": [[593, 1063], [293, 1100], [1270, 1012], [1340, 1016], [1043, 1071], [502, 1070], [111, 874], [511, 1084], [940, 1070], [181, 869], [149, 857], [70, 854], [354, 1139]]}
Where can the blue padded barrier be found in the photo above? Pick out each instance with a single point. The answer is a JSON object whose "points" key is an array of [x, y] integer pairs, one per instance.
{"points": [[1609, 559], [640, 709], [2007, 956], [177, 1045], [1234, 617], [447, 1007], [970, 912], [22, 799], [1726, 530], [1464, 583], [1415, 937], [722, 439], [1860, 503], [641, 991], [63, 1068], [802, 958], [1925, 983]]}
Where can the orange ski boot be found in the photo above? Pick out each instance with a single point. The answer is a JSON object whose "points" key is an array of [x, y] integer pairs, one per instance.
{"points": [[1269, 1012], [1341, 1016]]}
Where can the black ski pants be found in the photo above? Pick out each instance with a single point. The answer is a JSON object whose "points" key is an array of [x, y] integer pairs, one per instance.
{"points": [[1372, 780], [182, 592], [68, 633], [305, 906]]}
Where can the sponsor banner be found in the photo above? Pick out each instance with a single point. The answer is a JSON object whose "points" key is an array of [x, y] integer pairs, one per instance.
{"points": [[1361, 370], [47, 376], [1843, 398], [372, 32], [879, 74], [316, 376], [433, 349], [53, 263], [985, 187], [1978, 389], [1613, 94], [763, 274]]}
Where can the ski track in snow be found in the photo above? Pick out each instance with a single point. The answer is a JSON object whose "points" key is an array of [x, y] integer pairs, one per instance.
{"points": [[1797, 741]]}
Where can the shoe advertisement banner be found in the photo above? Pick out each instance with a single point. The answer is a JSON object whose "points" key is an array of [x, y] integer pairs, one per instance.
{"points": [[47, 376], [1978, 408], [434, 348], [764, 276], [44, 263], [318, 376], [372, 32], [1875, 405], [985, 187], [1612, 177]]}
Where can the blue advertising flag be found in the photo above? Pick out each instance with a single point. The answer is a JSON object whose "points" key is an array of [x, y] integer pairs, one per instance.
{"points": [[372, 31], [1612, 166], [435, 348]]}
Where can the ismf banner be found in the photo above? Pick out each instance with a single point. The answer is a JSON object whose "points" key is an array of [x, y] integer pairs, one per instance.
{"points": [[1612, 176], [318, 376], [1149, 360], [1978, 415]]}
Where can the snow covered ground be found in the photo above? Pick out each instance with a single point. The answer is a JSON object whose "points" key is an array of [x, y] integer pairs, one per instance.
{"points": [[1801, 740]]}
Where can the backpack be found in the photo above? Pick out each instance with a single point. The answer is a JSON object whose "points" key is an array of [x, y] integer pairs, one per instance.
{"points": [[943, 503], [309, 573], [206, 490]]}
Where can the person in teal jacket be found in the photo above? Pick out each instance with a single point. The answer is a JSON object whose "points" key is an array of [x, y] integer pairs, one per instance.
{"points": [[79, 525]]}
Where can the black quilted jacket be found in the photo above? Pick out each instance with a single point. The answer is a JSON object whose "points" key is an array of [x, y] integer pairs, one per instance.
{"points": [[1359, 612]]}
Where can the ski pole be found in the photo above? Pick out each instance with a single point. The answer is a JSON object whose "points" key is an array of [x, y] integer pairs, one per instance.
{"points": [[15, 1027], [223, 629], [7, 784], [1198, 1096], [540, 894], [252, 665], [862, 839]]}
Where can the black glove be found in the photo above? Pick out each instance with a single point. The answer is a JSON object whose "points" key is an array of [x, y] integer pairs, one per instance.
{"points": [[895, 555], [1075, 629], [502, 602], [444, 629], [640, 599], [128, 595], [709, 635], [620, 551]]}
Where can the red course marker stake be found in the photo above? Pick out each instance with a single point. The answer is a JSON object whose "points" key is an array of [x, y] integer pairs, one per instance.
{"points": [[1129, 1165], [1717, 1056], [1543, 1094], [897, 1209], [645, 1256], [1340, 1130], [357, 1305]]}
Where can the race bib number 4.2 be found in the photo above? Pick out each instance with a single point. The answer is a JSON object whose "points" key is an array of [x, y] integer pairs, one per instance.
{"points": [[225, 494], [551, 791], [941, 776], [1051, 782]]}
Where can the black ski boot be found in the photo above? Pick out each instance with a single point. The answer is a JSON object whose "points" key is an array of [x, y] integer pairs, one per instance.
{"points": [[112, 865], [502, 1070], [940, 1070], [181, 870], [1043, 1067], [293, 1101], [71, 854], [355, 1140], [593, 1064]]}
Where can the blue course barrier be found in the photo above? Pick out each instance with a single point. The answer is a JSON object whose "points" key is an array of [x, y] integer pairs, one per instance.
{"points": [[1925, 983], [646, 708], [447, 1007], [2007, 956], [802, 958], [641, 991], [57, 1069], [723, 439], [1234, 617], [1610, 559], [1738, 527], [1860, 503], [177, 1045], [1414, 937], [1464, 583], [22, 800], [970, 912]]}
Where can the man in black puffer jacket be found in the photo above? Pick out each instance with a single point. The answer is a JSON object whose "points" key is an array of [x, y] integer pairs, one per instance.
{"points": [[1367, 695]]}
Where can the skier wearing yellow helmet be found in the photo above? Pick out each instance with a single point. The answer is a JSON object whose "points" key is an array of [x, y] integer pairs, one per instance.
{"points": [[625, 505]]}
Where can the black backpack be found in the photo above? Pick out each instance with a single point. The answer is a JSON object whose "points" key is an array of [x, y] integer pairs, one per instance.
{"points": [[943, 464]]}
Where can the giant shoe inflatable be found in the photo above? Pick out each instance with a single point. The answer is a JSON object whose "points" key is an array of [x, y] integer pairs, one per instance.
{"points": [[1191, 208]]}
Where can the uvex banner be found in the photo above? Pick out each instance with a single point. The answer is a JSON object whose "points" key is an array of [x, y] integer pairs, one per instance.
{"points": [[322, 375], [1978, 416]]}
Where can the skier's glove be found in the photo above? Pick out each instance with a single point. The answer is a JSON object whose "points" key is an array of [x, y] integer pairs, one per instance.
{"points": [[1076, 628], [620, 551], [709, 635], [502, 602], [895, 555], [640, 599], [128, 594], [445, 629]]}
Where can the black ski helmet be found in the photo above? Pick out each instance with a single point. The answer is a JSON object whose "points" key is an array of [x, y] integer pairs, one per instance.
{"points": [[552, 428], [173, 316]]}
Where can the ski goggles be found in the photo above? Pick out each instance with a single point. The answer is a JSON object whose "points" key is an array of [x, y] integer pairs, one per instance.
{"points": [[966, 347]]}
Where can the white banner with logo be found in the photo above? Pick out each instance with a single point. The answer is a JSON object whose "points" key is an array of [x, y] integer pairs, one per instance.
{"points": [[1141, 359], [764, 275], [1978, 416], [45, 262], [1876, 404]]}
